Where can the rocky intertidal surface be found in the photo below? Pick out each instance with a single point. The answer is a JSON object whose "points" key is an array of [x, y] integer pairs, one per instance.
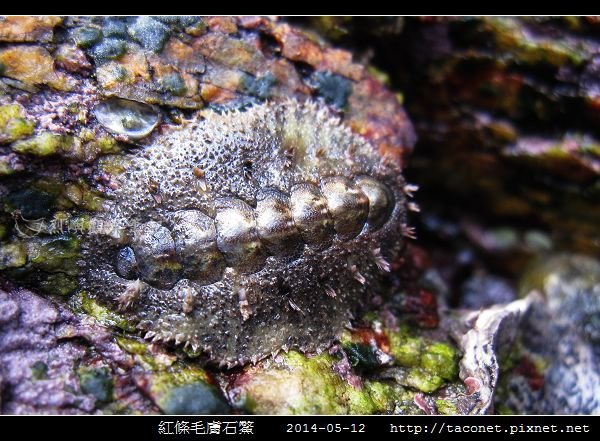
{"points": [[209, 215]]}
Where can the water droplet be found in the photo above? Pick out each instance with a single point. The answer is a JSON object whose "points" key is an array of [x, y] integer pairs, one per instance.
{"points": [[125, 117]]}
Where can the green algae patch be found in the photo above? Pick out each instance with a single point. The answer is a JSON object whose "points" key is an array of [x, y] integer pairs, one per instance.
{"points": [[60, 284], [446, 407], [106, 144], [181, 387], [13, 125], [421, 380], [84, 302], [441, 359], [113, 165], [169, 369], [175, 386], [50, 261], [97, 382], [83, 148], [405, 349], [39, 370], [44, 144], [511, 37], [132, 346], [81, 195], [425, 365], [299, 385], [309, 385], [55, 254], [386, 396], [46, 206], [12, 255], [9, 164]]}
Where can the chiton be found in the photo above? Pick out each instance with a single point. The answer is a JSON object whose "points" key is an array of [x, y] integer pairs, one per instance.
{"points": [[248, 232]]}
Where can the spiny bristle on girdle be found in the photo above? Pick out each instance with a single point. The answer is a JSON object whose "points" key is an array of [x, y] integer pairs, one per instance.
{"points": [[380, 261], [330, 291], [360, 278], [289, 156], [412, 206], [245, 309], [130, 294], [409, 189], [188, 301], [408, 232], [200, 178], [295, 307], [385, 161], [168, 336], [350, 152], [357, 275]]}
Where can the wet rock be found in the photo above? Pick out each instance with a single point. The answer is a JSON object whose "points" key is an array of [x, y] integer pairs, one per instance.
{"points": [[554, 370], [86, 37], [12, 255], [294, 384], [13, 124], [492, 333], [513, 80], [96, 382], [28, 29], [375, 370], [33, 65], [193, 399], [72, 59], [108, 49], [570, 285], [151, 34], [334, 89], [483, 290], [40, 352], [115, 27], [260, 87], [175, 386], [10, 164]]}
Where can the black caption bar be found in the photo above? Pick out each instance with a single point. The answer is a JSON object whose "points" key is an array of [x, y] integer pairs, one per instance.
{"points": [[172, 427]]}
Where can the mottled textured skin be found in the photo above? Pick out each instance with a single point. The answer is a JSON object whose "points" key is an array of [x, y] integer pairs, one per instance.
{"points": [[205, 274]]}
